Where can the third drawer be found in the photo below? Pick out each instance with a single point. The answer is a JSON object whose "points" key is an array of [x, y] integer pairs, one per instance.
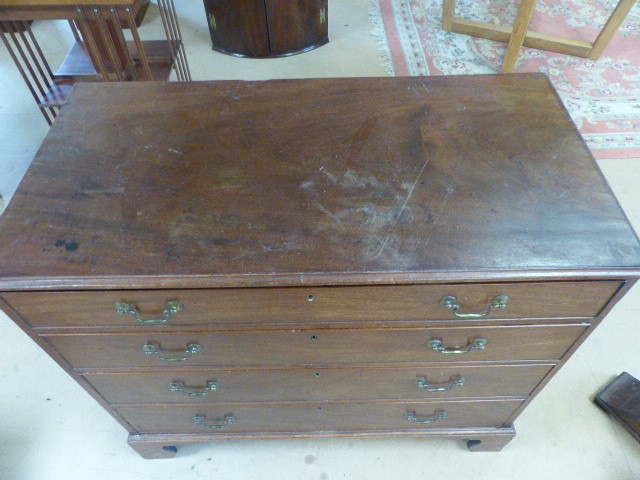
{"points": [[319, 384]]}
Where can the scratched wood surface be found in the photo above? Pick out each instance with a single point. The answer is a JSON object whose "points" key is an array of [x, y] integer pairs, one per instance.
{"points": [[305, 177]]}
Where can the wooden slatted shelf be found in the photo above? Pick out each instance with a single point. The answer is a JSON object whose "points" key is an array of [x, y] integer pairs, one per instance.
{"points": [[101, 52], [78, 67]]}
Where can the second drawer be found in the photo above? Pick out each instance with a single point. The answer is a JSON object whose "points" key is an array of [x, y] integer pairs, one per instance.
{"points": [[319, 384], [318, 347]]}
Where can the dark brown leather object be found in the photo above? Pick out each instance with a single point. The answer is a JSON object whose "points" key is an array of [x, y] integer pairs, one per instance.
{"points": [[621, 399]]}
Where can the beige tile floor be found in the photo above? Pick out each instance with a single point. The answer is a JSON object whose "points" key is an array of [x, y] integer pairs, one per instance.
{"points": [[50, 429]]}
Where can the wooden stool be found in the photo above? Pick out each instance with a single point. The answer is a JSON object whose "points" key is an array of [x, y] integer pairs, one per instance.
{"points": [[520, 35]]}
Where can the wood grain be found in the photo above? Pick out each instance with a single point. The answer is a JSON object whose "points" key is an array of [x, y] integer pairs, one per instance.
{"points": [[332, 186], [238, 27], [296, 25]]}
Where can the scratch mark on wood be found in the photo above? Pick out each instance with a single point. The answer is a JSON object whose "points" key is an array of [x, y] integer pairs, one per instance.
{"points": [[329, 213], [331, 176], [384, 244], [246, 254], [436, 216], [105, 191], [268, 248]]}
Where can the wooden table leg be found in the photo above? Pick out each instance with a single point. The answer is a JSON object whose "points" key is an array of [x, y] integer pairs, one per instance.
{"points": [[519, 31], [448, 9], [610, 28]]}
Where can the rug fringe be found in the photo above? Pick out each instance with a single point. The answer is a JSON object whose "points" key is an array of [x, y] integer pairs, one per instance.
{"points": [[378, 31]]}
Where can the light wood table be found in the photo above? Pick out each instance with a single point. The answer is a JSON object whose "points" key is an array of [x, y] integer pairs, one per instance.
{"points": [[519, 35]]}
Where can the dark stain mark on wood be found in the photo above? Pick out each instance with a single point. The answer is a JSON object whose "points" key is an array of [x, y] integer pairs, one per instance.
{"points": [[69, 246]]}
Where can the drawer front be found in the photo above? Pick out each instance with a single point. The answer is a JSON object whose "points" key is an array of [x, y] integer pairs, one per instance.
{"points": [[311, 304], [319, 384], [316, 347], [324, 417]]}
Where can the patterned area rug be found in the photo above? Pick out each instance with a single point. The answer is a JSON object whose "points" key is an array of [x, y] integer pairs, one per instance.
{"points": [[603, 96]]}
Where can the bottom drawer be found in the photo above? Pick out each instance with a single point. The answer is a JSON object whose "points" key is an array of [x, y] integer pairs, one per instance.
{"points": [[319, 417]]}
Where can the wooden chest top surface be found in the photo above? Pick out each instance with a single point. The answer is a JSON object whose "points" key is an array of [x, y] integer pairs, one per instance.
{"points": [[247, 182]]}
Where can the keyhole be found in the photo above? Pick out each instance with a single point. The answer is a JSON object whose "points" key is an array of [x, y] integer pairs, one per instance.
{"points": [[314, 337], [317, 375], [311, 297]]}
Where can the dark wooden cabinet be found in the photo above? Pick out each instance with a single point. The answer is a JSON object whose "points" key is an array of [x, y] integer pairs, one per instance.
{"points": [[266, 28], [392, 256]]}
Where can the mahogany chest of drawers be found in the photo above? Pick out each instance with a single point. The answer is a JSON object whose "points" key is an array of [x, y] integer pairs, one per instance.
{"points": [[391, 256]]}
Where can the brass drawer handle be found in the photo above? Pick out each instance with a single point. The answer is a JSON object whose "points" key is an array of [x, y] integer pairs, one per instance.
{"points": [[411, 416], [218, 425], [476, 344], [153, 349], [451, 303], [457, 381], [193, 391], [171, 309]]}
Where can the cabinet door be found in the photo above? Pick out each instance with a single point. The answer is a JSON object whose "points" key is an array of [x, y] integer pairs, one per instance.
{"points": [[238, 26], [296, 25]]}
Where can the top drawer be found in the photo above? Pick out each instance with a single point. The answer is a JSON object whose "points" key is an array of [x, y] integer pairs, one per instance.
{"points": [[246, 306]]}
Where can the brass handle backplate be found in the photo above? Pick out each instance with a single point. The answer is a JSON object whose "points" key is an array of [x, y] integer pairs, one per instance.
{"points": [[451, 303], [476, 344], [457, 381], [153, 349], [413, 418], [180, 387], [171, 309], [217, 424]]}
